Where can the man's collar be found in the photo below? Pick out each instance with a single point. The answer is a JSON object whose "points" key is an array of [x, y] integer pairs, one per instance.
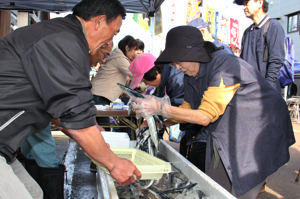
{"points": [[83, 28], [263, 21]]}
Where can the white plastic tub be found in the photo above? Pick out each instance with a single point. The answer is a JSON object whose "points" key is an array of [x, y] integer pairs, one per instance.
{"points": [[116, 139]]}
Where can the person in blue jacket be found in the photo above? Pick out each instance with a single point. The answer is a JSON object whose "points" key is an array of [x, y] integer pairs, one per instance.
{"points": [[207, 36], [165, 80]]}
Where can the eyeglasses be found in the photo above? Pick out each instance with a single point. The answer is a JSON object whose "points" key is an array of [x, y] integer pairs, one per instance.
{"points": [[175, 63], [104, 55]]}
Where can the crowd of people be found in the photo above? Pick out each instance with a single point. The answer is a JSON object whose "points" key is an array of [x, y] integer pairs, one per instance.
{"points": [[236, 125]]}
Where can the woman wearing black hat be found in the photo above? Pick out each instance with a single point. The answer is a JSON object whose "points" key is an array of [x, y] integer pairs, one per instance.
{"points": [[247, 121]]}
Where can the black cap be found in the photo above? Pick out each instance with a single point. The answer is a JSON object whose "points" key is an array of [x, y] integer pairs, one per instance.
{"points": [[239, 2]]}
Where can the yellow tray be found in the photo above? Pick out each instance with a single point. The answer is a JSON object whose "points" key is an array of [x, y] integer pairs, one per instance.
{"points": [[151, 167]]}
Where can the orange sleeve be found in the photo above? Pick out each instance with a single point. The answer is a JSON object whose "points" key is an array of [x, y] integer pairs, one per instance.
{"points": [[216, 99]]}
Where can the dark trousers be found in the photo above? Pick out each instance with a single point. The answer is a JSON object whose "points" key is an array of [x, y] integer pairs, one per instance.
{"points": [[195, 152], [99, 100]]}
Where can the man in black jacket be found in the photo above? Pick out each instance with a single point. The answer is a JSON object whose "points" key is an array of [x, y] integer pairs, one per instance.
{"points": [[45, 74]]}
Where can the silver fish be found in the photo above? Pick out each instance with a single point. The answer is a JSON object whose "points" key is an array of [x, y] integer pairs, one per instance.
{"points": [[151, 122], [153, 132], [130, 92]]}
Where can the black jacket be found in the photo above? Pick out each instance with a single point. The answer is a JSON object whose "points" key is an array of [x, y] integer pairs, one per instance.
{"points": [[44, 74]]}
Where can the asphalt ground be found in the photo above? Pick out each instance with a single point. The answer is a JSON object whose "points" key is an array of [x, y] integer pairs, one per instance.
{"points": [[282, 183], [81, 183]]}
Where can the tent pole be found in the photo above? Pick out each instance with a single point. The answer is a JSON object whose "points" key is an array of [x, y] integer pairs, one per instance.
{"points": [[152, 33], [144, 7], [285, 92]]}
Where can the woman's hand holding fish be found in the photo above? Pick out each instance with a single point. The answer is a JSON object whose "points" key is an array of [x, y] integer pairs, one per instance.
{"points": [[151, 105]]}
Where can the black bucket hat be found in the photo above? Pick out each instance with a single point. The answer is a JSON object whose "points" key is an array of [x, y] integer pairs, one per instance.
{"points": [[239, 2], [185, 43]]}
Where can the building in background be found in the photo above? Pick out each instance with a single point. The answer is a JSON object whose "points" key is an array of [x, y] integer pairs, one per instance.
{"points": [[288, 14], [12, 19], [227, 22]]}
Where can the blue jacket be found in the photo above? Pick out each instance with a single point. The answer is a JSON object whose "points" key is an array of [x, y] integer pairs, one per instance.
{"points": [[254, 133], [226, 47]]}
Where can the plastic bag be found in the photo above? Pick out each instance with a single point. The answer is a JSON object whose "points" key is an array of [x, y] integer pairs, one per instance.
{"points": [[175, 133]]}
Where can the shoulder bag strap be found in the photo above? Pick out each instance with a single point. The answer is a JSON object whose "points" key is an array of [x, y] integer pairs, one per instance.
{"points": [[266, 51]]}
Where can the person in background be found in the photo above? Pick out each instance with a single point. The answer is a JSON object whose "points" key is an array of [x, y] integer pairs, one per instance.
{"points": [[141, 48], [166, 79], [253, 41], [293, 89], [247, 120], [141, 88], [99, 58], [236, 51], [39, 150], [207, 36], [114, 70], [101, 55], [49, 80]]}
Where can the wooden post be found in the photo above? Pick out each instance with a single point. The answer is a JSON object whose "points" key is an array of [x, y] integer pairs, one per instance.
{"points": [[22, 19], [5, 19]]}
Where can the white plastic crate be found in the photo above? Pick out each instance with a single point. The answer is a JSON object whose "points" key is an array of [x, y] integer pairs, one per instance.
{"points": [[116, 139]]}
